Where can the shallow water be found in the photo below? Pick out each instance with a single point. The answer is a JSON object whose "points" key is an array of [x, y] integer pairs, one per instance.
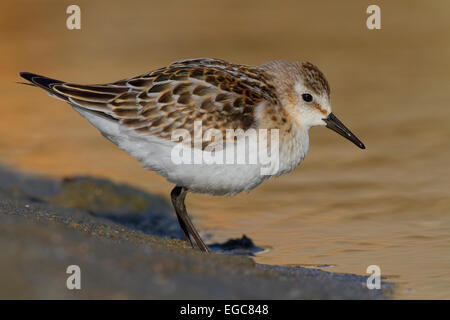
{"points": [[343, 208]]}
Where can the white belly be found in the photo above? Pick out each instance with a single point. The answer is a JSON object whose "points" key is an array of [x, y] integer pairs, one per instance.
{"points": [[216, 178]]}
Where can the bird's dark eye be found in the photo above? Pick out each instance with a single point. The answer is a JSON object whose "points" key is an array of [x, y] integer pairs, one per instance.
{"points": [[307, 97]]}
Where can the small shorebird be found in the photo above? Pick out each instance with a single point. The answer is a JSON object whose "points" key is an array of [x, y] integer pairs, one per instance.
{"points": [[140, 113]]}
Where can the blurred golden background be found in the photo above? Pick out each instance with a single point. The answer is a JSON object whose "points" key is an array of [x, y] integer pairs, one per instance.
{"points": [[388, 205]]}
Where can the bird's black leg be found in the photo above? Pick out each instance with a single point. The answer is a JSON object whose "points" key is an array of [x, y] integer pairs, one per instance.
{"points": [[174, 196], [178, 195]]}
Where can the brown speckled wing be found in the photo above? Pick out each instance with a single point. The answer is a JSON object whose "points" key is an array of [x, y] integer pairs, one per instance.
{"points": [[220, 94]]}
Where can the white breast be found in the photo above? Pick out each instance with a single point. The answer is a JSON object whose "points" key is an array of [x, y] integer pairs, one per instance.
{"points": [[156, 154]]}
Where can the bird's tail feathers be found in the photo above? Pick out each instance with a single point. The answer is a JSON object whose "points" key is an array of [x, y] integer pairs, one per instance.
{"points": [[43, 82]]}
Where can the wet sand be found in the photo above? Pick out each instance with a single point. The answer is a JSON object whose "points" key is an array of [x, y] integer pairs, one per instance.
{"points": [[130, 249], [345, 208]]}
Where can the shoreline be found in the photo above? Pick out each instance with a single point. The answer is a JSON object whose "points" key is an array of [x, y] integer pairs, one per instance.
{"points": [[126, 243]]}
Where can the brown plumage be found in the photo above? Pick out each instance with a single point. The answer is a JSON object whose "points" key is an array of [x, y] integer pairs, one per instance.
{"points": [[220, 94]]}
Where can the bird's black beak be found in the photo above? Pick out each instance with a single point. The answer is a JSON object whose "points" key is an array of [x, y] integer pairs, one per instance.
{"points": [[334, 124]]}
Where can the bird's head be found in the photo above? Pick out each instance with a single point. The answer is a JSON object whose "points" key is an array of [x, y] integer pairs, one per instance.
{"points": [[305, 92]]}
